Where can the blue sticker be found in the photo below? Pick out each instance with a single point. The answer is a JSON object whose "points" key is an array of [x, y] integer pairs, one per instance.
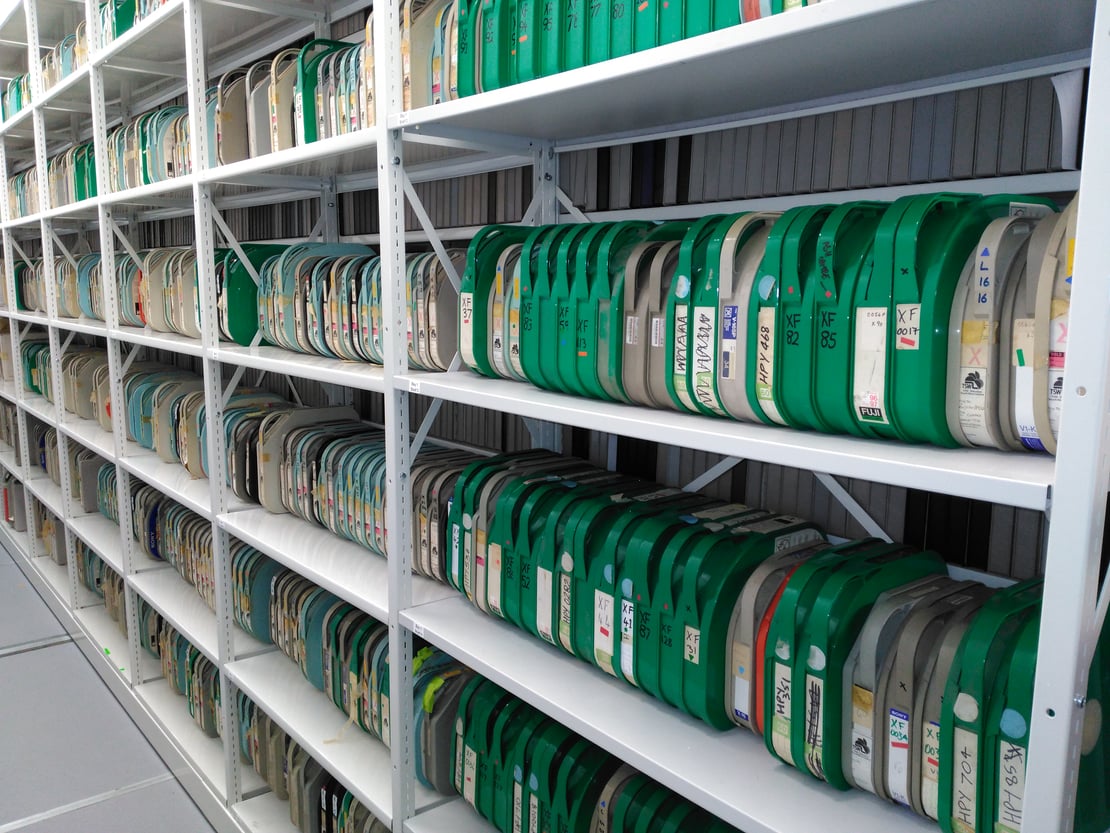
{"points": [[730, 328], [1013, 724]]}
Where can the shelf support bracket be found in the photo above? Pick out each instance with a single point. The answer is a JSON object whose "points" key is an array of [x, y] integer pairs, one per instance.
{"points": [[317, 230], [572, 209], [714, 472], [68, 341], [130, 358], [545, 434], [293, 390], [232, 384], [845, 499], [430, 230], [123, 239], [430, 417], [19, 251], [61, 247], [233, 243]]}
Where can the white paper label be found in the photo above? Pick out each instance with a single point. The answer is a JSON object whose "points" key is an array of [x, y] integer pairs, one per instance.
{"points": [[1023, 360], [965, 780], [907, 336], [1057, 352], [765, 365], [780, 721], [628, 619], [603, 631], [518, 810], [470, 770], [692, 645], [741, 682], [533, 813], [1011, 787], [815, 725], [658, 331], [898, 755], [564, 613], [494, 578], [543, 604], [466, 327], [631, 330], [863, 739], [680, 341], [703, 349], [869, 371], [975, 381], [930, 770]]}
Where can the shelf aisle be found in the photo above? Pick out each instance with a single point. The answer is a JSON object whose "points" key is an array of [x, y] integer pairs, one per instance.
{"points": [[93, 768]]}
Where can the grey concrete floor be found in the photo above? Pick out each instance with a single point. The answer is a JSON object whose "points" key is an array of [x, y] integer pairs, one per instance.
{"points": [[71, 760]]}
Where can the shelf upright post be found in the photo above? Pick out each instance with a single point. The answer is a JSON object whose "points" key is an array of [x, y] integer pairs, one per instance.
{"points": [[110, 305], [14, 340], [1069, 626], [196, 77], [391, 210], [34, 70], [545, 196]]}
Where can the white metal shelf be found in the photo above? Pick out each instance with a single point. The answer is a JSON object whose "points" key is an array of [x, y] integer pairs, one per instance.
{"points": [[7, 390], [89, 433], [682, 753], [1015, 479], [48, 493], [39, 407], [171, 712], [172, 479], [7, 460], [147, 337], [265, 813], [346, 569], [88, 326], [356, 758], [103, 536], [453, 817], [55, 575], [784, 62], [29, 316], [179, 603], [359, 375]]}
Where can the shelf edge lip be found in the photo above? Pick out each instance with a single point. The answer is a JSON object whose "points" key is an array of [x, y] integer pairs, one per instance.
{"points": [[173, 342], [879, 461], [361, 140], [361, 375]]}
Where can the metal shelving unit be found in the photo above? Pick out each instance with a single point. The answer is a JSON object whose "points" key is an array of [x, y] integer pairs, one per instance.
{"points": [[745, 75]]}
